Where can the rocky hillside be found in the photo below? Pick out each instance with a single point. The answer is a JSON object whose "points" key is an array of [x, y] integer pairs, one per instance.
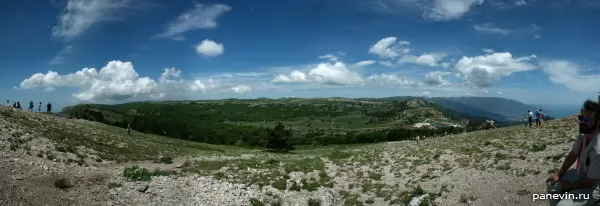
{"points": [[58, 161]]}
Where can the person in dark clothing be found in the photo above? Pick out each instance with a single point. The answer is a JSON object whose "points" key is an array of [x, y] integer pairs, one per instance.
{"points": [[49, 108], [537, 117], [19, 105], [30, 106], [128, 130], [14, 105]]}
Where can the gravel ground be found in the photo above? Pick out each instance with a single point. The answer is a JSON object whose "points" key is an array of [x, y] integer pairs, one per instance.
{"points": [[496, 167]]}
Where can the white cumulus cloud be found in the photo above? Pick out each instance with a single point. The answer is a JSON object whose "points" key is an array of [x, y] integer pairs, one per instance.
{"points": [[116, 81], [210, 48], [436, 78], [430, 59], [364, 63], [570, 75], [444, 10], [241, 89], [295, 76], [80, 15], [199, 17], [446, 65], [390, 79], [324, 73], [483, 71], [433, 10], [171, 82], [389, 47]]}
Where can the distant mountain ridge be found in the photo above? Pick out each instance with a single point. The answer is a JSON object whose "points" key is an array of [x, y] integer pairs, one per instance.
{"points": [[497, 108], [470, 110]]}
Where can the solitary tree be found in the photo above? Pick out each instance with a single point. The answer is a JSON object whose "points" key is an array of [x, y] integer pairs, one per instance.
{"points": [[280, 139]]}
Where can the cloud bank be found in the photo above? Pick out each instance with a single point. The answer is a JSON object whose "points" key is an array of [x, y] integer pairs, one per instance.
{"points": [[438, 73]]}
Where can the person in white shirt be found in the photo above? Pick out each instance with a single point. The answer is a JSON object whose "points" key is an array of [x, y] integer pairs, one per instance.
{"points": [[585, 153], [529, 117]]}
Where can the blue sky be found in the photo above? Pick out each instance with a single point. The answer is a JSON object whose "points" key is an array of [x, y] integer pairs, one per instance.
{"points": [[112, 51]]}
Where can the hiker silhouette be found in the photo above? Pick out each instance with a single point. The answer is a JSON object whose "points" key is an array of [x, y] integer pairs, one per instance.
{"points": [[30, 106], [49, 108]]}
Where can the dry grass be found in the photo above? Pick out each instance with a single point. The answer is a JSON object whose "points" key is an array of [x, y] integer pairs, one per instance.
{"points": [[384, 173]]}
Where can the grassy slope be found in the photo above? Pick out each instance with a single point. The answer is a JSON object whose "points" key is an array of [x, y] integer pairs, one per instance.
{"points": [[111, 142], [508, 150]]}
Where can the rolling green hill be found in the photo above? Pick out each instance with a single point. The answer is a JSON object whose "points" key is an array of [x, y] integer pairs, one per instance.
{"points": [[243, 121]]}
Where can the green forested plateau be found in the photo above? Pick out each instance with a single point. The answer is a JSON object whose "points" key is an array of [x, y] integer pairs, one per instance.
{"points": [[246, 122]]}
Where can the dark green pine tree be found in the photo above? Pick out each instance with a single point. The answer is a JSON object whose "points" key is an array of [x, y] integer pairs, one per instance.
{"points": [[280, 139]]}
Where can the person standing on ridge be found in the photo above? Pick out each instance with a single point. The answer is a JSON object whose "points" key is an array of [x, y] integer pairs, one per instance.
{"points": [[19, 106], [30, 106], [541, 117], [537, 118], [49, 108], [128, 130], [40, 107], [529, 117], [14, 105]]}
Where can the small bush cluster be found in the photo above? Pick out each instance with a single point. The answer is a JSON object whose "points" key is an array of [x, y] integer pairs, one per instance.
{"points": [[166, 160], [63, 183], [136, 173]]}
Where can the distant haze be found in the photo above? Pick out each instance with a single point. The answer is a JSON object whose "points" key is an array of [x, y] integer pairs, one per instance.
{"points": [[558, 111]]}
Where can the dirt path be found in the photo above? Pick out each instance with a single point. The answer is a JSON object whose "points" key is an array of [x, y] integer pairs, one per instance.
{"points": [[30, 180], [26, 180]]}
